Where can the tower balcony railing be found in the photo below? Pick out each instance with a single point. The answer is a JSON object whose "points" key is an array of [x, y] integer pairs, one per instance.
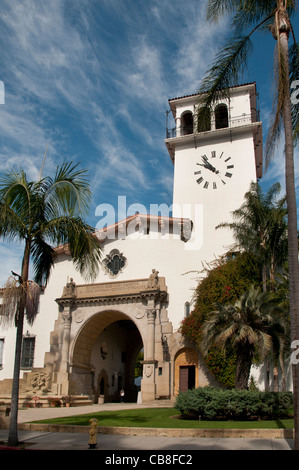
{"points": [[232, 122]]}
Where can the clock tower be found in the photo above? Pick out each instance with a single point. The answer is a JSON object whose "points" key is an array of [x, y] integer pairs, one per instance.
{"points": [[214, 166]]}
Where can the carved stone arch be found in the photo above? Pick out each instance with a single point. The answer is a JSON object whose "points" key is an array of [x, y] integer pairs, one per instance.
{"points": [[85, 337], [102, 353], [87, 318]]}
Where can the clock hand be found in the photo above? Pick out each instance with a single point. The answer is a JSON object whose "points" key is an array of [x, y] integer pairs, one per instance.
{"points": [[208, 166]]}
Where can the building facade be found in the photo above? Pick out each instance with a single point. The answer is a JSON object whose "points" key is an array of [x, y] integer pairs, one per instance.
{"points": [[86, 337]]}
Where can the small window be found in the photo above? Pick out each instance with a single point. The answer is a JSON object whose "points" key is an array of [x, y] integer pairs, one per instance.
{"points": [[1, 352], [187, 309], [187, 123], [114, 263], [221, 116], [28, 347]]}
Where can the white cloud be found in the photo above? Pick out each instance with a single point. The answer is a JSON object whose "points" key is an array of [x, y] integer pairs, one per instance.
{"points": [[91, 80]]}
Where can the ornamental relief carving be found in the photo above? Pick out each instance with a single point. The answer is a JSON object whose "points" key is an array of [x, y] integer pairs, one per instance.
{"points": [[37, 382], [140, 313], [148, 370], [135, 288]]}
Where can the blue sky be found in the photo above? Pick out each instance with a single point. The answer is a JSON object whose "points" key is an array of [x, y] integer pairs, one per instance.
{"points": [[90, 80]]}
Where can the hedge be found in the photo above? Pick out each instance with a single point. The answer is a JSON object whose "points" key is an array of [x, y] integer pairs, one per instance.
{"points": [[209, 403]]}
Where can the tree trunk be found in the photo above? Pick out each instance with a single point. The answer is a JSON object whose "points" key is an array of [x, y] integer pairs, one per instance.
{"points": [[275, 379], [243, 367], [264, 277], [13, 425], [292, 227]]}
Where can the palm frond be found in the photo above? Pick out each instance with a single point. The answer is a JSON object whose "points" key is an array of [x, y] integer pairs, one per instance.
{"points": [[246, 12], [84, 246], [217, 8], [68, 192], [231, 61], [85, 250], [12, 225], [43, 257], [12, 297], [228, 65], [32, 301], [15, 193]]}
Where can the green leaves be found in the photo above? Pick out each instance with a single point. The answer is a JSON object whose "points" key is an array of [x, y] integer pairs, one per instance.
{"points": [[209, 403], [68, 192], [253, 325], [49, 212], [259, 226], [247, 17], [227, 67]]}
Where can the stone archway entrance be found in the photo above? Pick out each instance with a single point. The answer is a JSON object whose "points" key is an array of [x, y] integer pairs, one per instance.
{"points": [[104, 357], [99, 332]]}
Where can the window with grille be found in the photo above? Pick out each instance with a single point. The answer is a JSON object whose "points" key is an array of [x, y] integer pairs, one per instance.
{"points": [[28, 347]]}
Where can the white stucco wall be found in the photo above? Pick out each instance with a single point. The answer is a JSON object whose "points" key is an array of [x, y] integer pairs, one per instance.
{"points": [[177, 261]]}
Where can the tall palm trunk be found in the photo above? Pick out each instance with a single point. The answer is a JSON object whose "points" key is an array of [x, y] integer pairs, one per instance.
{"points": [[292, 225], [243, 366], [13, 425]]}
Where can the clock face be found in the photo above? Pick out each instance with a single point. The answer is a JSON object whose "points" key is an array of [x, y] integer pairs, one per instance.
{"points": [[214, 170]]}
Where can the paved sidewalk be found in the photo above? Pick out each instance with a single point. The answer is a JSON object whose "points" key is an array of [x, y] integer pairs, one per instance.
{"points": [[111, 442], [33, 414]]}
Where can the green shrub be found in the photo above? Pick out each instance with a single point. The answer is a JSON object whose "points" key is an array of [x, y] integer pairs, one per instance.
{"points": [[211, 403]]}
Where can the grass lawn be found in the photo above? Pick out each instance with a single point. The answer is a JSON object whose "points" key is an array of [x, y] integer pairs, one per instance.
{"points": [[163, 418]]}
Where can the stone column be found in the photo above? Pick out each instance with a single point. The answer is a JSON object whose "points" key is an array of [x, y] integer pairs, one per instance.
{"points": [[178, 126], [148, 385], [61, 378], [66, 319], [151, 316]]}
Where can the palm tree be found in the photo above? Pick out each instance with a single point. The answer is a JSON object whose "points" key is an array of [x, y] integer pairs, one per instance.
{"points": [[259, 227], [275, 16], [281, 297], [252, 326], [41, 214]]}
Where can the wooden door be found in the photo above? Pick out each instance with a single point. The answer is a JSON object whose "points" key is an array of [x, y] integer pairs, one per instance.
{"points": [[186, 378]]}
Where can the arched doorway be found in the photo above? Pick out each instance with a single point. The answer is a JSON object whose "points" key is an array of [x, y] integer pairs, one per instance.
{"points": [[186, 370], [104, 357]]}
